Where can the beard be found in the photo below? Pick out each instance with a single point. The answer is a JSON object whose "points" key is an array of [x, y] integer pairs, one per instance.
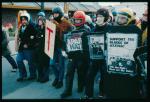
{"points": [[24, 24]]}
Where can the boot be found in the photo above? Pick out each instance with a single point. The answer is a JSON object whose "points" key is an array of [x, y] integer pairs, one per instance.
{"points": [[59, 85], [55, 82], [65, 94], [44, 80], [86, 97], [21, 79]]}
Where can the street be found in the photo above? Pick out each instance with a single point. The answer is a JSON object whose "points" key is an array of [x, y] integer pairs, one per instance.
{"points": [[11, 89]]}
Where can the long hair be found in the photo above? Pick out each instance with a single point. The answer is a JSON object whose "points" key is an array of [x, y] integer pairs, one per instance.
{"points": [[18, 18]]}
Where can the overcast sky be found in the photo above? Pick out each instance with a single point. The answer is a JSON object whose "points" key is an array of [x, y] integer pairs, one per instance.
{"points": [[109, 3], [102, 3]]}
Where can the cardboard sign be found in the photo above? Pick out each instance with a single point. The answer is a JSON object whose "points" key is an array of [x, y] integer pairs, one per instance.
{"points": [[74, 42], [50, 31], [96, 46], [120, 50]]}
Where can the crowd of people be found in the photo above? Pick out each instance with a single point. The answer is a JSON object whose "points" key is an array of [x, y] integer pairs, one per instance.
{"points": [[30, 41]]}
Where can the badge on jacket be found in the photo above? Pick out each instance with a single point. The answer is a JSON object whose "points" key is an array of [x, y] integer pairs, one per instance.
{"points": [[31, 37]]}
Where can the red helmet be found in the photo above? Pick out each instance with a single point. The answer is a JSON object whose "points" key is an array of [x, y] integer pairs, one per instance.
{"points": [[79, 15]]}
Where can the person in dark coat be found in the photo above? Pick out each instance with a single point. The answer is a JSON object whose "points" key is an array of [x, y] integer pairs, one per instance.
{"points": [[6, 50], [77, 60], [41, 59], [26, 38], [120, 84], [98, 64]]}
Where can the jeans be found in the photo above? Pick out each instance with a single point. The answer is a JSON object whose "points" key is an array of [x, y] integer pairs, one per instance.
{"points": [[25, 55], [11, 61], [58, 64]]}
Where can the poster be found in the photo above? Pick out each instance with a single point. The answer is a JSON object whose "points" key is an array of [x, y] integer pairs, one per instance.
{"points": [[120, 50], [50, 31], [74, 42], [96, 46]]}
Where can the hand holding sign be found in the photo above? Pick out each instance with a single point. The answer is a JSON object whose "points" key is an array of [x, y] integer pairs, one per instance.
{"points": [[25, 46], [64, 54]]}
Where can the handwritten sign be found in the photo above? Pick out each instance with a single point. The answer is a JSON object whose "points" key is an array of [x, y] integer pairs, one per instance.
{"points": [[50, 30], [74, 42]]}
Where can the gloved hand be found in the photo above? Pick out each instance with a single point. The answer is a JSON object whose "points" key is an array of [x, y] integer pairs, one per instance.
{"points": [[25, 46], [64, 54]]}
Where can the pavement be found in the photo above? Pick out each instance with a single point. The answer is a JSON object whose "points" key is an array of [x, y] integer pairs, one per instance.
{"points": [[11, 89]]}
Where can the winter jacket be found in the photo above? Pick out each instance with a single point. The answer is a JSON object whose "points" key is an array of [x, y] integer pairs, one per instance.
{"points": [[27, 37], [91, 25], [40, 39], [61, 28], [102, 30], [40, 56]]}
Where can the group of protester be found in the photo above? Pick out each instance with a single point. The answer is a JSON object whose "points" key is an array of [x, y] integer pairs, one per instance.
{"points": [[30, 41]]}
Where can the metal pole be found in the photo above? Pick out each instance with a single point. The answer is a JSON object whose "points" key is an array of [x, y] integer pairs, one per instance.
{"points": [[42, 6], [66, 8]]}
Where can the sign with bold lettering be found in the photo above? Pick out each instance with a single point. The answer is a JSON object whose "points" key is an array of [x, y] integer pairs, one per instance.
{"points": [[50, 30], [120, 50], [96, 46], [74, 42]]}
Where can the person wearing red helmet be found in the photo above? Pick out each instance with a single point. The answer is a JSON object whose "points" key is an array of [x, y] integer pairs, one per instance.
{"points": [[77, 59], [79, 18]]}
